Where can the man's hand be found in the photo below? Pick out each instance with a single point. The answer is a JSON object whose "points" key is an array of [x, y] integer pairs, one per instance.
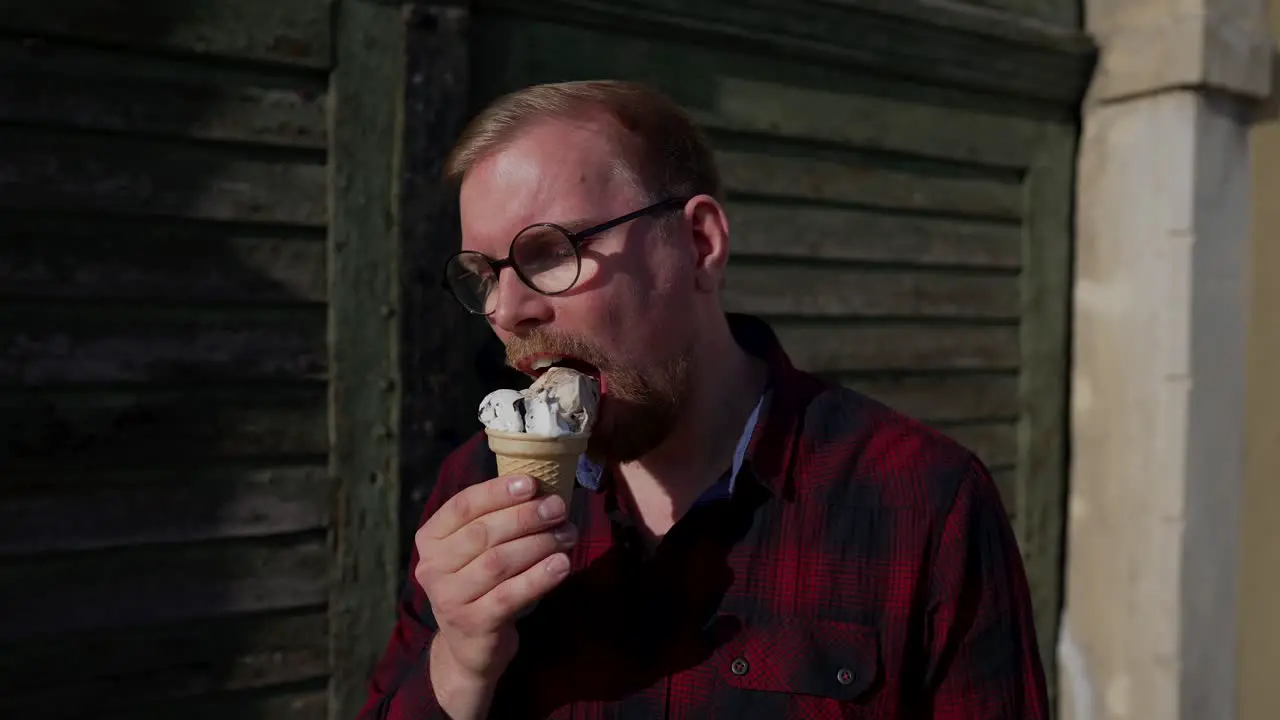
{"points": [[485, 555]]}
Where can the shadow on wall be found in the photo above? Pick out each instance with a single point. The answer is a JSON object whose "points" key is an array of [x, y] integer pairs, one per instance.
{"points": [[450, 359], [163, 435]]}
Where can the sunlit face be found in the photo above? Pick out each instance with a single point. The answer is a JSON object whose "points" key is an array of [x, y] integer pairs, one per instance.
{"points": [[630, 317]]}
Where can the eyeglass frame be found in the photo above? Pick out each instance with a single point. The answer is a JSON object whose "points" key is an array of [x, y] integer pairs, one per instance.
{"points": [[576, 239]]}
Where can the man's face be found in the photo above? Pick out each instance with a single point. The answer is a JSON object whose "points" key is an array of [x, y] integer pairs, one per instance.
{"points": [[630, 317]]}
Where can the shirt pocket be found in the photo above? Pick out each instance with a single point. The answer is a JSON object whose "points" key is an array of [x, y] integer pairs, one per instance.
{"points": [[799, 668]]}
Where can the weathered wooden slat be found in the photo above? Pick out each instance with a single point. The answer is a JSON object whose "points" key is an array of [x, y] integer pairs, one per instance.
{"points": [[995, 444], [268, 116], [1008, 18], [1011, 19], [41, 345], [824, 291], [121, 587], [798, 231], [291, 32], [935, 45], [1006, 480], [1046, 356], [365, 249], [944, 398], [251, 705], [106, 670], [102, 260], [51, 172], [833, 348], [983, 137], [151, 508], [98, 430], [741, 91], [853, 183]]}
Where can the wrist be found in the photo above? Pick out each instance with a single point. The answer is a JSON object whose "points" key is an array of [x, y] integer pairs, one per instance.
{"points": [[463, 695]]}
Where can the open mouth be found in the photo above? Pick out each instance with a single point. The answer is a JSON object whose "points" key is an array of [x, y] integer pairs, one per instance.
{"points": [[535, 365]]}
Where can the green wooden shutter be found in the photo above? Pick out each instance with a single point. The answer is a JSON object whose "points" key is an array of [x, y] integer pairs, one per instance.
{"points": [[177, 309]]}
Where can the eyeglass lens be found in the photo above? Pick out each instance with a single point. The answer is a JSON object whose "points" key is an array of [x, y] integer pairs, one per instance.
{"points": [[547, 259], [472, 280], [543, 256]]}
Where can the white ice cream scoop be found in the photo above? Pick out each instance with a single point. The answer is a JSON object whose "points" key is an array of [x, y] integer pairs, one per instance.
{"points": [[561, 402], [503, 410]]}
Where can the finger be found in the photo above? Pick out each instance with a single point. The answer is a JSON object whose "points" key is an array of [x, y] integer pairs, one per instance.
{"points": [[503, 562], [505, 601], [476, 501], [457, 550]]}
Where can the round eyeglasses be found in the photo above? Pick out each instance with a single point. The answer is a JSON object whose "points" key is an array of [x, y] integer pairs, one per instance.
{"points": [[546, 257]]}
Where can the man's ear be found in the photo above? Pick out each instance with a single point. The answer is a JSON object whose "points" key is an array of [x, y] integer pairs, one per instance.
{"points": [[709, 228]]}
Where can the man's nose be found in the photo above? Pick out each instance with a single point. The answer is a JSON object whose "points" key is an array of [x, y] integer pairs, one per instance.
{"points": [[518, 308]]}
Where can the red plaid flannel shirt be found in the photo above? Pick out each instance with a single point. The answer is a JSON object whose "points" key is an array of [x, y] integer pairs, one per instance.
{"points": [[863, 567]]}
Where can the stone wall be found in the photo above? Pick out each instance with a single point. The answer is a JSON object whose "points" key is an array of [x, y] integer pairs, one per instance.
{"points": [[1157, 407]]}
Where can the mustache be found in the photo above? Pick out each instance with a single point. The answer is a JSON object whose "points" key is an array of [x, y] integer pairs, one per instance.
{"points": [[546, 342]]}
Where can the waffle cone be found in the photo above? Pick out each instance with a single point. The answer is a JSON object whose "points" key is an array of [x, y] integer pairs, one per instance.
{"points": [[551, 462]]}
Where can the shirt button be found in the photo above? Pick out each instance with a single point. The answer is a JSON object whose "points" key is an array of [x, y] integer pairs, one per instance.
{"points": [[844, 676], [739, 667]]}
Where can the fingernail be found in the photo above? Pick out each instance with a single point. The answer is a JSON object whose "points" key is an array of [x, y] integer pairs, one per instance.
{"points": [[565, 534], [519, 486], [551, 508], [558, 564]]}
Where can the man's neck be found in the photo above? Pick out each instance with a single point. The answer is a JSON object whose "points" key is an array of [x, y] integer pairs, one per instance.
{"points": [[727, 382]]}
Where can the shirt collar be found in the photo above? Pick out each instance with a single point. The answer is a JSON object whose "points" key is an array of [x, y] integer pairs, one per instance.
{"points": [[770, 432]]}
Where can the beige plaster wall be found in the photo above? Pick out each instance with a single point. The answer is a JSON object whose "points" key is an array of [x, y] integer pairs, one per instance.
{"points": [[1259, 616]]}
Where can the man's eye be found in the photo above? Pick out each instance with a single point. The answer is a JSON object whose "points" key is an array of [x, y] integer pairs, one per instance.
{"points": [[544, 248]]}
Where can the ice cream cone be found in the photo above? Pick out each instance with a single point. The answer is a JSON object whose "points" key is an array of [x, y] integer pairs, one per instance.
{"points": [[551, 461]]}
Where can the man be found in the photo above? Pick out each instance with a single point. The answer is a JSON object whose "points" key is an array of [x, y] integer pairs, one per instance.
{"points": [[747, 541]]}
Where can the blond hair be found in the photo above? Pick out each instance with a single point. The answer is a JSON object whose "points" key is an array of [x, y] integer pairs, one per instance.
{"points": [[663, 151]]}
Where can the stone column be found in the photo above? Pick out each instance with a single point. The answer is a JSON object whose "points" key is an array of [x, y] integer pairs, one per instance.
{"points": [[1163, 193]]}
